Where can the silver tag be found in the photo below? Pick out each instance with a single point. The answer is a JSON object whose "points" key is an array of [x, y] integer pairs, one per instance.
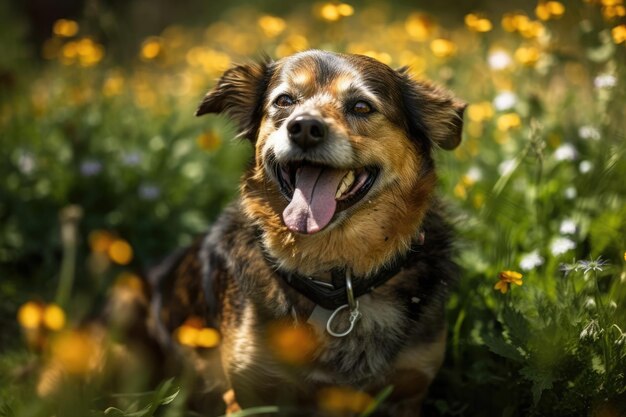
{"points": [[318, 319]]}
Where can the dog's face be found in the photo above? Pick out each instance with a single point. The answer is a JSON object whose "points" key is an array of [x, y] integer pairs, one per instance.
{"points": [[343, 146]]}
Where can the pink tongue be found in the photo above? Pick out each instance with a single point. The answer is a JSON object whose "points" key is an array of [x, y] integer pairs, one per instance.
{"points": [[313, 203]]}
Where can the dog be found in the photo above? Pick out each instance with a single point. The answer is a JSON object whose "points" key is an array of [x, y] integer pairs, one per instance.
{"points": [[332, 267]]}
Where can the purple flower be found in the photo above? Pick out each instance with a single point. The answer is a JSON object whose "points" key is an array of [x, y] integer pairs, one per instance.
{"points": [[131, 158], [90, 167], [149, 192]]}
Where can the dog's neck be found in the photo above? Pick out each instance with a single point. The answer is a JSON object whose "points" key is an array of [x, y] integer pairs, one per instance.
{"points": [[328, 290]]}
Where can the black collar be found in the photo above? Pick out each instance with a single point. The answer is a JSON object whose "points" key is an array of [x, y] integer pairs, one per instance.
{"points": [[332, 296]]}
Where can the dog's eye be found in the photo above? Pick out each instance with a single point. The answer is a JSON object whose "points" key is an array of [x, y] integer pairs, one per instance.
{"points": [[362, 108], [284, 101]]}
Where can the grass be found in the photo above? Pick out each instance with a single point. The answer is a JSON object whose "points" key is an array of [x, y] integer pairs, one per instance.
{"points": [[105, 170]]}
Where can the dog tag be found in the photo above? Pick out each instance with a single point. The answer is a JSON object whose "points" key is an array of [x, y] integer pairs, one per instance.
{"points": [[318, 319]]}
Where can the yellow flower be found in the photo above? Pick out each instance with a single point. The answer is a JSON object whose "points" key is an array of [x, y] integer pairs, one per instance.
{"points": [[151, 48], [442, 48], [77, 352], [209, 141], [502, 286], [506, 278], [419, 26], [383, 57], [509, 121], [30, 315], [549, 10], [120, 252], [478, 23], [207, 337], [611, 2], [460, 191], [619, 34], [613, 11], [113, 84], [556, 8], [527, 55], [65, 28], [291, 344], [88, 52], [100, 240], [480, 111], [511, 276], [508, 22], [192, 333], [291, 45], [333, 12], [54, 317], [341, 400], [345, 9], [271, 26], [479, 200]]}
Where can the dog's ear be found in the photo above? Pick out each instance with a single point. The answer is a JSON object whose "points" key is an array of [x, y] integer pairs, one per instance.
{"points": [[433, 111], [239, 93]]}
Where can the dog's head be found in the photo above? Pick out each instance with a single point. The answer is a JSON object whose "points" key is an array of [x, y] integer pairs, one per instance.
{"points": [[343, 146]]}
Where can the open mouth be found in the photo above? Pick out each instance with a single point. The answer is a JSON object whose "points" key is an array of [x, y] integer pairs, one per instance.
{"points": [[317, 192]]}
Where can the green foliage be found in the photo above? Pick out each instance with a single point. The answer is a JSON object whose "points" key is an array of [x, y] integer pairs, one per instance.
{"points": [[537, 186]]}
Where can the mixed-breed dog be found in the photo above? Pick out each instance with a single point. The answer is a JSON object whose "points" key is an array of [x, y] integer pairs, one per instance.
{"points": [[336, 232]]}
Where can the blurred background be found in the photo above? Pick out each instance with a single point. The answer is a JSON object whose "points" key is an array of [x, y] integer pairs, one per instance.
{"points": [[104, 170]]}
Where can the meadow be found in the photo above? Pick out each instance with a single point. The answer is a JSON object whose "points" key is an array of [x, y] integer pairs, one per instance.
{"points": [[104, 170]]}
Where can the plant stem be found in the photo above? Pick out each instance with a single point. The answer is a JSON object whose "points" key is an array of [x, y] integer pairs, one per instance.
{"points": [[602, 322], [69, 217]]}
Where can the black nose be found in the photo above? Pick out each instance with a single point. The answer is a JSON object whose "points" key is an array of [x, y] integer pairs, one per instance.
{"points": [[307, 131]]}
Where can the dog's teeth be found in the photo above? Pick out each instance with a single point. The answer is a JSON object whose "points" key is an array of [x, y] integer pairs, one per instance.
{"points": [[346, 183]]}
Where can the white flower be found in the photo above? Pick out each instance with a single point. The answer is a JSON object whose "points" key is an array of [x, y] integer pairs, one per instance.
{"points": [[504, 101], [570, 193], [590, 304], [605, 81], [506, 167], [561, 245], [499, 60], [565, 152], [474, 174], [531, 260], [585, 167], [589, 132], [592, 265], [26, 163], [591, 331], [568, 227]]}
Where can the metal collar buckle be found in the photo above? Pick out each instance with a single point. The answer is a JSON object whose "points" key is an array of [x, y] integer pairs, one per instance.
{"points": [[353, 305]]}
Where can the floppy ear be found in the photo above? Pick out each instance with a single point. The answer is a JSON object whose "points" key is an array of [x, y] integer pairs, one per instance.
{"points": [[239, 93], [433, 110]]}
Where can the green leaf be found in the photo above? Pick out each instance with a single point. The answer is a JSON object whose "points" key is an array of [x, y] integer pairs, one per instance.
{"points": [[606, 229], [517, 326], [170, 398], [378, 400], [270, 409], [542, 379], [116, 412], [500, 347]]}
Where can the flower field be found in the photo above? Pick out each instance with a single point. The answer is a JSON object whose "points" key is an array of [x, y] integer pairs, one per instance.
{"points": [[104, 170]]}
